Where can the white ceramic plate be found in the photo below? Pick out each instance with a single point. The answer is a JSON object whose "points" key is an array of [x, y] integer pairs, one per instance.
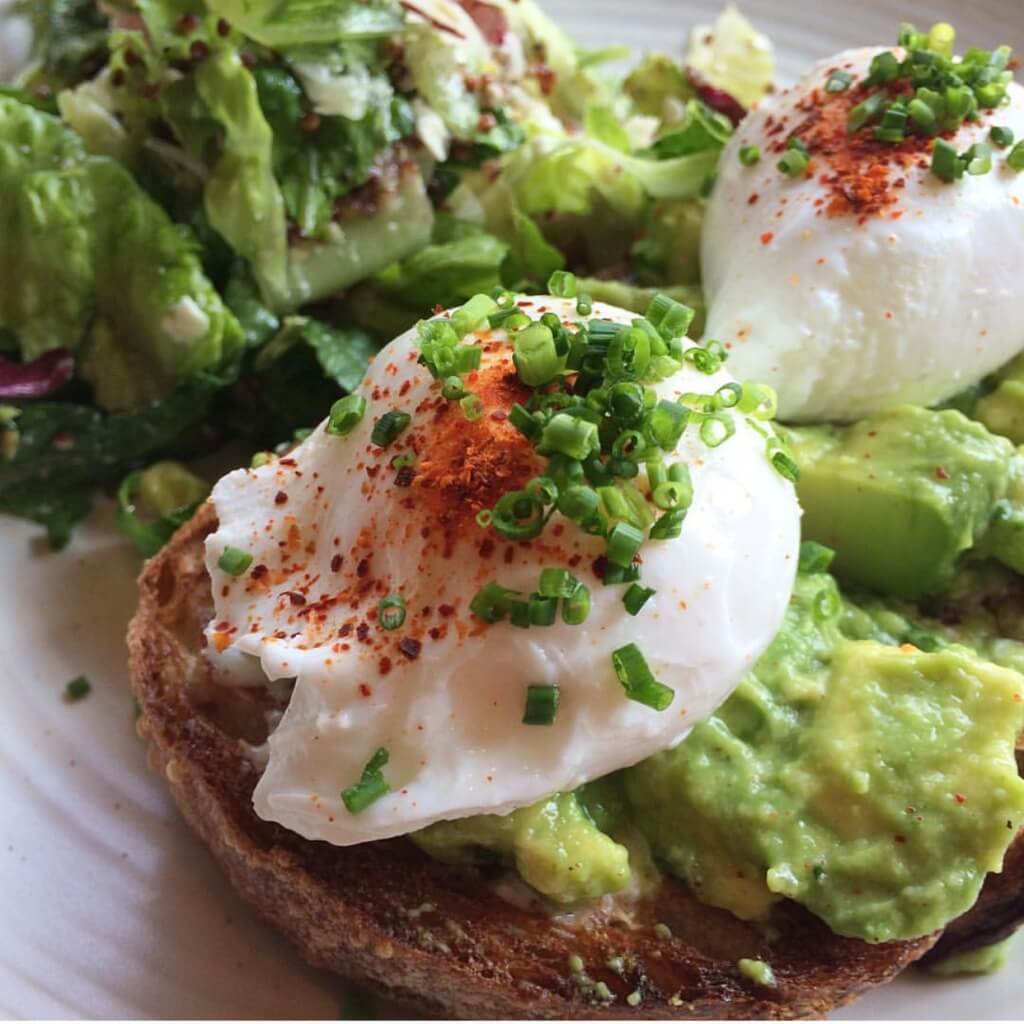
{"points": [[108, 905]]}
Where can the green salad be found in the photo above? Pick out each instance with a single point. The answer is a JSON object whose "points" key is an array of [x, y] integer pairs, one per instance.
{"points": [[218, 211]]}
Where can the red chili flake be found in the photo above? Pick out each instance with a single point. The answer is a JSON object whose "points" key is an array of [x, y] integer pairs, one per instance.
{"points": [[365, 690], [188, 23], [384, 666], [486, 548], [410, 648], [941, 473], [363, 632], [600, 566], [346, 630], [510, 553], [446, 611], [336, 563], [436, 633], [752, 199], [280, 498], [249, 60], [198, 51], [767, 237], [405, 476], [438, 310], [363, 568], [486, 122], [296, 599], [960, 798], [63, 441], [899, 839], [259, 572], [223, 27], [286, 462], [310, 122], [117, 78]]}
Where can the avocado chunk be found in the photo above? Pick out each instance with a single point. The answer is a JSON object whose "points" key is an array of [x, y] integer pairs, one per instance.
{"points": [[900, 496]]}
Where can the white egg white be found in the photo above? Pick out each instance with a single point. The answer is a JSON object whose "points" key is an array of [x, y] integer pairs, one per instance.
{"points": [[331, 531], [847, 315]]}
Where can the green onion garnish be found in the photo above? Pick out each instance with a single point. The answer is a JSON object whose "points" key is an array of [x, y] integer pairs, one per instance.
{"points": [[453, 389], [637, 679], [387, 429], [923, 115], [78, 688], [669, 525], [370, 787], [814, 557], [794, 161], [946, 163], [1001, 136], [569, 435], [472, 314], [391, 611], [557, 583], [636, 597], [670, 319], [576, 607], [471, 406], [541, 704], [1015, 158], [839, 81], [784, 464], [493, 602], [562, 285], [717, 429], [885, 67], [865, 112], [541, 610], [827, 604], [667, 422], [536, 358], [346, 414], [622, 544], [978, 159], [234, 561], [518, 515], [750, 155]]}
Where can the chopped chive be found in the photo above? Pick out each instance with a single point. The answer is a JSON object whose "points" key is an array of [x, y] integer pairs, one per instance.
{"points": [[637, 679], [576, 607], [370, 787], [569, 435], [623, 544], [391, 612], [671, 319], [541, 704], [1015, 158], [472, 407], [346, 414], [493, 602], [541, 610], [562, 285], [557, 583], [472, 314], [76, 689], [750, 155], [865, 112], [839, 81], [946, 163], [793, 163], [667, 422], [234, 561], [636, 597], [518, 515], [388, 428], [669, 525], [784, 464], [978, 159], [453, 389], [814, 557], [1001, 136], [584, 305]]}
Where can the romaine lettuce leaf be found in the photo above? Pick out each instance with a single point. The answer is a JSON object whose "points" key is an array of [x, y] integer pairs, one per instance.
{"points": [[242, 198], [87, 256], [276, 24]]}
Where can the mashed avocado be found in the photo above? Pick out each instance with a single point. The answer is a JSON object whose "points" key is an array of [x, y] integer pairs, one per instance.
{"points": [[827, 778], [554, 845]]}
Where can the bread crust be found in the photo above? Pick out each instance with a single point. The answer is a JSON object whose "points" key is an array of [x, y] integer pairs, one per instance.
{"points": [[432, 938]]}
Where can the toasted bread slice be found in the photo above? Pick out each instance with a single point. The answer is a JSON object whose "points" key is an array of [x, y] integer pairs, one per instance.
{"points": [[431, 937]]}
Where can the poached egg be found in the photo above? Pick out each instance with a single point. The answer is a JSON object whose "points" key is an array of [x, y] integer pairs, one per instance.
{"points": [[867, 282], [340, 523]]}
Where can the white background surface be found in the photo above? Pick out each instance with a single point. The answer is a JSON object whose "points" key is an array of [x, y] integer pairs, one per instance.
{"points": [[108, 905]]}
